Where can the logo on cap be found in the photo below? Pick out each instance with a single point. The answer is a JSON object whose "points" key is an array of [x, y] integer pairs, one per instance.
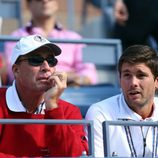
{"points": [[39, 39]]}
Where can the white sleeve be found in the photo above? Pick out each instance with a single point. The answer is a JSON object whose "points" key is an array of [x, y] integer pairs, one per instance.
{"points": [[94, 113]]}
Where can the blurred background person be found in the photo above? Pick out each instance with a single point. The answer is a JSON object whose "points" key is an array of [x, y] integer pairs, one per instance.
{"points": [[136, 21], [132, 21], [44, 22]]}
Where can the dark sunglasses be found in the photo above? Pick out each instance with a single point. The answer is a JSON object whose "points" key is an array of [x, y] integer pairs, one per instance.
{"points": [[38, 60]]}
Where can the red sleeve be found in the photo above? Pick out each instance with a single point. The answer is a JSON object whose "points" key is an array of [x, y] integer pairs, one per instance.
{"points": [[2, 104], [2, 155], [2, 111], [66, 140], [7, 156]]}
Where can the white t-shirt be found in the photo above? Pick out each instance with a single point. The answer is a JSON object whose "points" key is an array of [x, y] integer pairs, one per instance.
{"points": [[115, 108]]}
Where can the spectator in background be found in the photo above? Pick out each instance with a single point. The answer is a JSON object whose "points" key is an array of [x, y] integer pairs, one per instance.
{"points": [[43, 21], [136, 21], [138, 75], [3, 70], [132, 21], [35, 94]]}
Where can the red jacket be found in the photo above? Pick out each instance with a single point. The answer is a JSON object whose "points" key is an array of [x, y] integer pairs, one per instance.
{"points": [[41, 140]]}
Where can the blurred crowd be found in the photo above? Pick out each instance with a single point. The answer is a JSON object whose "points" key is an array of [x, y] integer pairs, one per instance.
{"points": [[131, 21]]}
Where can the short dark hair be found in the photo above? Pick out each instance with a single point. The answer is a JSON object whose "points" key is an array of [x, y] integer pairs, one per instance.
{"points": [[140, 54], [28, 1]]}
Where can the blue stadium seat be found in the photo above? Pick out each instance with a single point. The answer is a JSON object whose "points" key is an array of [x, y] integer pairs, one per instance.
{"points": [[85, 96]]}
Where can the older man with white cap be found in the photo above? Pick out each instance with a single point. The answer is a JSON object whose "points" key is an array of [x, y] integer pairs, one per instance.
{"points": [[35, 95]]}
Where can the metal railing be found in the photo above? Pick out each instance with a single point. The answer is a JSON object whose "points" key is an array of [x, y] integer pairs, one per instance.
{"points": [[106, 132], [61, 122]]}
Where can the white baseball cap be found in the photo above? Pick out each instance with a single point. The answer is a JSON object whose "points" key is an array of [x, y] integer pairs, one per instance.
{"points": [[31, 43]]}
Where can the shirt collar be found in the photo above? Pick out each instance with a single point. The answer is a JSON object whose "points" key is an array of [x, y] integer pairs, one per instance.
{"points": [[129, 114], [31, 29], [13, 101]]}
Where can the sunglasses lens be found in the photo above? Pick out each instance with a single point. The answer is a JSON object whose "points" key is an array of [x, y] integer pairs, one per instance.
{"points": [[52, 61], [37, 61]]}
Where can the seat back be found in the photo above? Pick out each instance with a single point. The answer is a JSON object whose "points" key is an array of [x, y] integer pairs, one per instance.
{"points": [[85, 96], [105, 54], [10, 9]]}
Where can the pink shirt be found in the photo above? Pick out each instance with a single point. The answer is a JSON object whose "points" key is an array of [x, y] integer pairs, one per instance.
{"points": [[70, 59]]}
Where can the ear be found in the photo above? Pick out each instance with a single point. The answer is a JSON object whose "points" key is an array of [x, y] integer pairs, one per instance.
{"points": [[119, 78], [15, 69], [156, 83]]}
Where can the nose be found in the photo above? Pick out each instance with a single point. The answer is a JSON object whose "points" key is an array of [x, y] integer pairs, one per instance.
{"points": [[45, 66], [134, 81]]}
